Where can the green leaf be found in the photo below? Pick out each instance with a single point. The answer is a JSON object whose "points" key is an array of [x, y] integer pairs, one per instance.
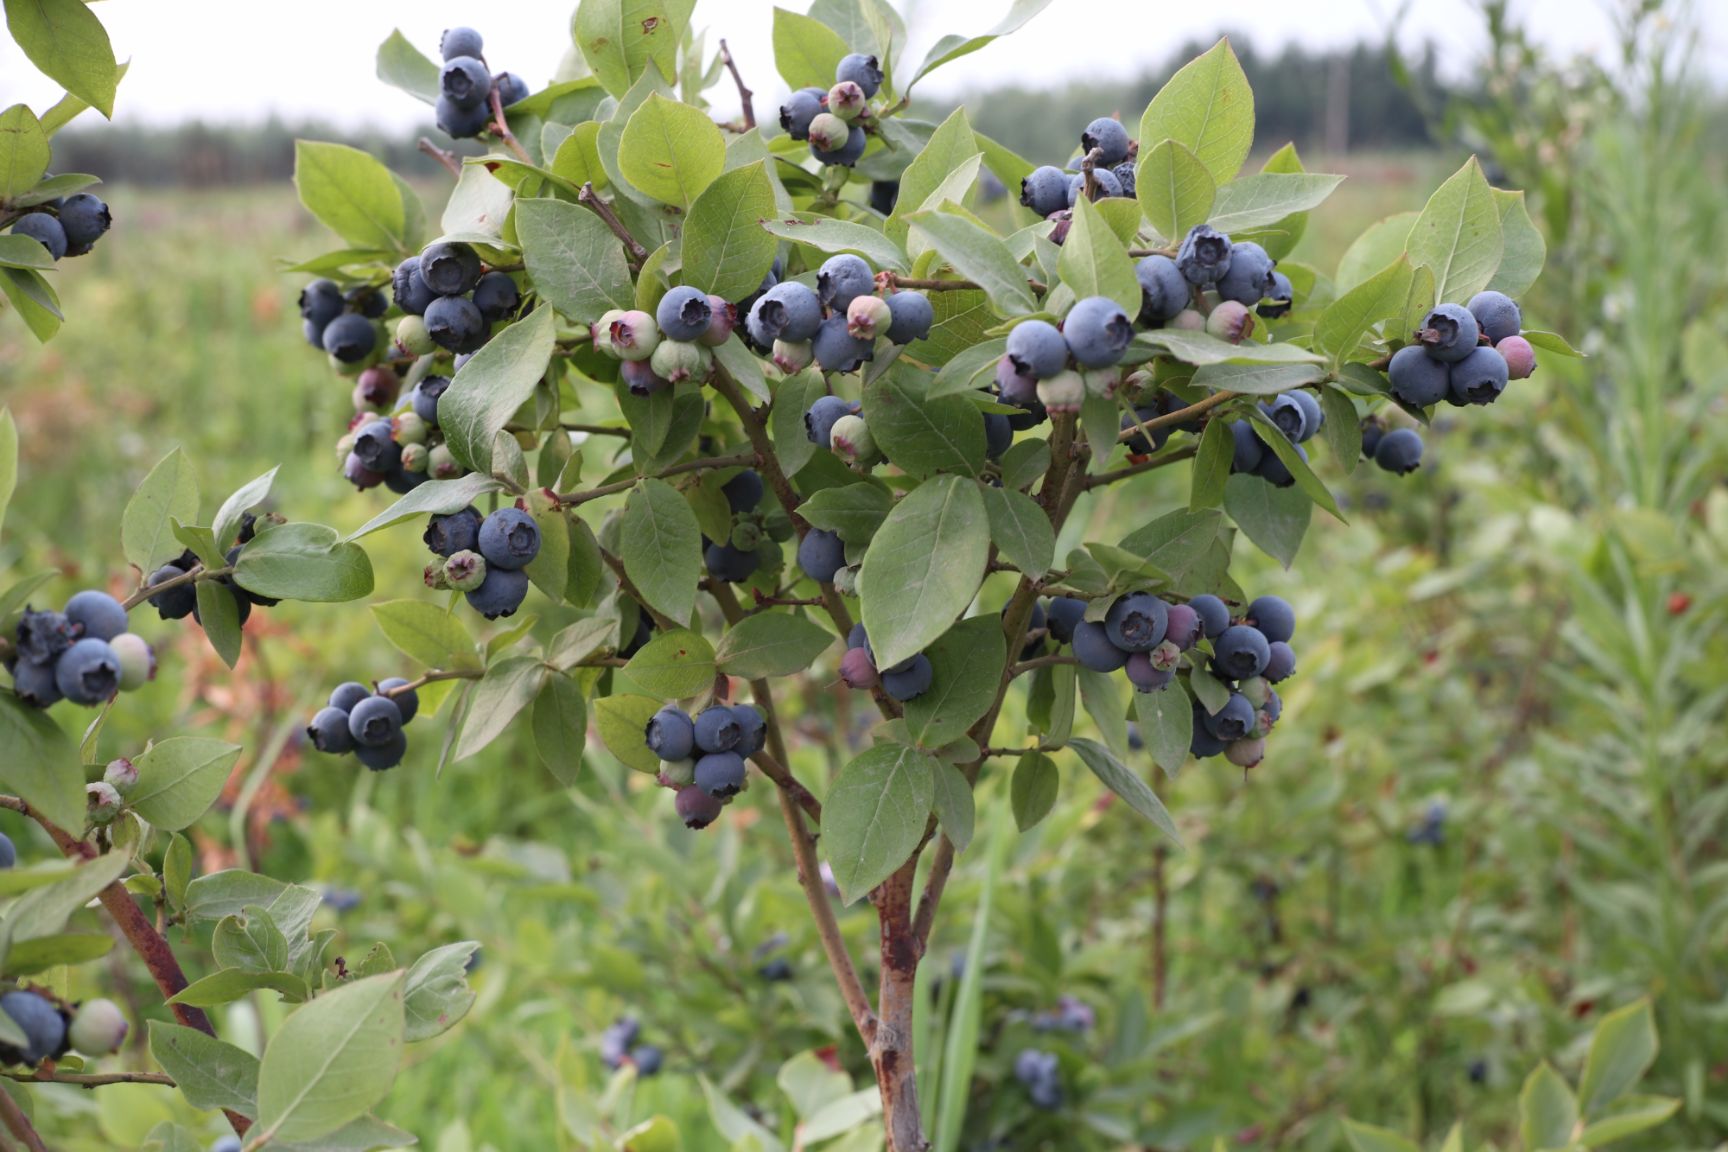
{"points": [[792, 398], [1166, 725], [930, 178], [426, 633], [874, 815], [28, 957], [1621, 1051], [576, 262], [923, 567], [1208, 108], [33, 297], [508, 687], [1200, 348], [1179, 543], [726, 252], [68, 43], [967, 667], [1524, 249], [1268, 198], [1032, 793], [231, 984], [622, 720], [366, 1134], [826, 234], [1212, 466], [549, 570], [477, 209], [1275, 519], [1257, 379], [353, 195], [1101, 696], [435, 995], [620, 38], [1021, 531], [951, 47], [403, 66], [675, 665], [168, 493], [921, 435], [304, 562], [232, 514], [854, 511], [208, 1072], [179, 778], [8, 470], [1547, 1110], [433, 498], [954, 804], [806, 51], [177, 870], [1299, 468], [672, 151], [1458, 235], [1381, 244], [772, 644], [1353, 315], [660, 545], [227, 893], [968, 371], [1174, 188], [490, 387], [1095, 263], [1343, 426], [1552, 342], [560, 723], [979, 256], [250, 941], [17, 251], [39, 763], [1628, 1116], [1121, 780], [1367, 1138], [332, 1060]]}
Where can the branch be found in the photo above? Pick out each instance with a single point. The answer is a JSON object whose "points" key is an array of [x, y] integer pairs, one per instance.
{"points": [[502, 127], [444, 156], [198, 573], [90, 1080], [571, 499], [661, 620], [1150, 465], [19, 1124], [604, 210], [434, 677], [1180, 416], [744, 94], [895, 280], [782, 776], [1017, 670]]}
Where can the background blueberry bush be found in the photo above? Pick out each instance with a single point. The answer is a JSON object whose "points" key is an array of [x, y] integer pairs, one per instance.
{"points": [[817, 458]]}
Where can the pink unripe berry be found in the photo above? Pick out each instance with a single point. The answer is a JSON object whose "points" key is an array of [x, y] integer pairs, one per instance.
{"points": [[722, 318], [600, 332], [103, 802], [1520, 357], [634, 335], [1062, 392], [867, 316], [792, 357], [1245, 753], [120, 775], [858, 669], [1231, 321], [1189, 320], [847, 101]]}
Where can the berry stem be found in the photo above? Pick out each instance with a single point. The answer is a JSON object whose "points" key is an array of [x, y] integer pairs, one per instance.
{"points": [[1025, 666], [192, 577], [744, 93], [434, 677], [451, 162], [572, 499], [1088, 168], [895, 280], [1180, 416], [90, 1079], [1154, 463], [18, 1124], [603, 210], [502, 127]]}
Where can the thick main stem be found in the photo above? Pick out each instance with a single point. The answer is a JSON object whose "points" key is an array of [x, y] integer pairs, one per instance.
{"points": [[891, 1053]]}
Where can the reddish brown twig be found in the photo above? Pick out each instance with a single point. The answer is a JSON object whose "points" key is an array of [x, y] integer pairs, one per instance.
{"points": [[744, 94]]}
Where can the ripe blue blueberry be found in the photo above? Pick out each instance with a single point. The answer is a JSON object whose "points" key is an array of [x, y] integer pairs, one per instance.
{"points": [[500, 594], [911, 316], [910, 679], [857, 637], [459, 122], [670, 734], [790, 311], [453, 322], [696, 808], [1273, 616], [1249, 278], [1109, 137], [97, 614], [320, 302], [1313, 416], [1480, 377], [1163, 290], [375, 445], [819, 421], [1274, 471], [1125, 177], [1417, 379], [512, 89], [375, 721], [1045, 190], [800, 108], [450, 267], [379, 757], [425, 398], [648, 1059], [348, 694], [842, 279], [1097, 332], [720, 774], [329, 732], [8, 851], [1204, 257], [861, 69], [1094, 648], [407, 701], [88, 672], [1372, 431], [35, 684], [509, 538], [459, 42], [837, 350], [717, 729], [1232, 721], [84, 219], [1182, 625], [43, 636], [684, 313], [847, 154], [1135, 623], [1247, 449], [1287, 413], [464, 81], [497, 296], [1241, 651], [820, 555], [1280, 661], [1399, 451], [1449, 333], [40, 1020], [1214, 615], [1063, 616], [641, 379], [45, 230], [753, 727], [1279, 298], [1036, 348], [733, 565], [1496, 313], [744, 491], [350, 338], [998, 435], [455, 532], [367, 301]]}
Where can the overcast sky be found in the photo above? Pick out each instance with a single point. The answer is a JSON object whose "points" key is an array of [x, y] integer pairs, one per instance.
{"points": [[244, 60]]}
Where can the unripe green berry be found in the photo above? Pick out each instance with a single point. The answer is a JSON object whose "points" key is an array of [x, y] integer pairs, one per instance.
{"points": [[677, 773], [1103, 382], [103, 802], [868, 317], [465, 571], [847, 101], [746, 535], [98, 1028], [828, 132], [846, 581], [1255, 688], [441, 463], [415, 457], [1245, 753], [678, 360], [412, 337], [600, 332], [120, 775], [852, 441], [410, 429], [137, 660], [433, 575]]}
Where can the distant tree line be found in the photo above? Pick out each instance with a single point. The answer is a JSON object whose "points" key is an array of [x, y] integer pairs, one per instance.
{"points": [[1360, 98]]}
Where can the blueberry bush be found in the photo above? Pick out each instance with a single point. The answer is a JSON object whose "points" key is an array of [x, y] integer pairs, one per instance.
{"points": [[755, 408]]}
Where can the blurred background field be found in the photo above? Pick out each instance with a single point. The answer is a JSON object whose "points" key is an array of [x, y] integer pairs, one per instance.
{"points": [[1494, 811]]}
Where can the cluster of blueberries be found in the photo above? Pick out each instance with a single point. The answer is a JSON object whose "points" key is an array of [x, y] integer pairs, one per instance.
{"points": [[465, 85], [1048, 190], [181, 600], [703, 757], [907, 680], [95, 1028], [66, 226], [450, 299], [344, 324], [1147, 637], [618, 1047], [830, 120], [836, 324], [674, 344], [753, 544], [1040, 1073], [483, 557], [83, 654], [404, 448], [1431, 830], [1069, 1015], [367, 723]]}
